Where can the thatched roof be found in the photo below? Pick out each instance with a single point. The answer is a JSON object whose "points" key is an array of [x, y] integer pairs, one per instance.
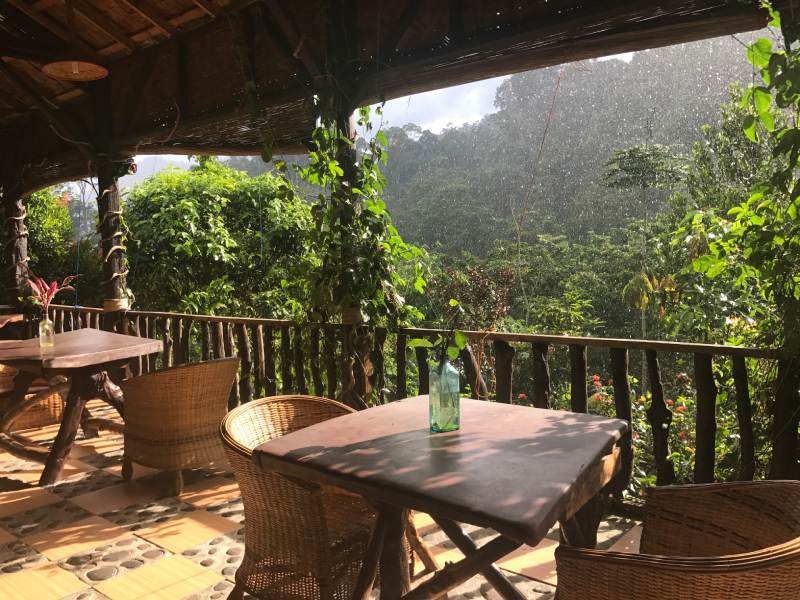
{"points": [[234, 76]]}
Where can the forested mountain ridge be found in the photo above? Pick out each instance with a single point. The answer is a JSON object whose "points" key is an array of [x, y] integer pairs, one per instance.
{"points": [[460, 190]]}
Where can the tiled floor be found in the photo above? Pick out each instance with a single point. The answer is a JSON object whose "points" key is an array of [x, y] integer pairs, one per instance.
{"points": [[92, 536]]}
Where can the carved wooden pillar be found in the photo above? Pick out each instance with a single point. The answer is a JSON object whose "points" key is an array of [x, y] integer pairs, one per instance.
{"points": [[15, 245], [112, 238]]}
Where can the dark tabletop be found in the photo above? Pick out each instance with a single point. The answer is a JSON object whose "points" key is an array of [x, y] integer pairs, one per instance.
{"points": [[75, 349], [512, 468]]}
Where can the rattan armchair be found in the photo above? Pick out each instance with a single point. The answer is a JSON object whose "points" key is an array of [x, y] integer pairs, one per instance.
{"points": [[302, 541], [172, 417], [699, 542]]}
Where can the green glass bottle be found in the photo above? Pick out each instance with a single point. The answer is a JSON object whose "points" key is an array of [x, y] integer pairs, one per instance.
{"points": [[445, 406]]}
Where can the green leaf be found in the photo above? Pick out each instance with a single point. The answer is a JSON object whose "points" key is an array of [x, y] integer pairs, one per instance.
{"points": [[761, 99], [767, 120], [452, 302], [460, 339], [759, 52], [749, 128], [452, 352], [420, 343]]}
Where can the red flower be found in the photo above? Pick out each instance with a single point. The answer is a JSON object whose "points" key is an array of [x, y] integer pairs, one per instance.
{"points": [[598, 385], [682, 378], [595, 377], [522, 396], [597, 397], [669, 402], [681, 408], [682, 435]]}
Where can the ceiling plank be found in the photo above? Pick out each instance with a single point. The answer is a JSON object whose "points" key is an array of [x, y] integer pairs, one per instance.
{"points": [[209, 7], [151, 13], [105, 24]]}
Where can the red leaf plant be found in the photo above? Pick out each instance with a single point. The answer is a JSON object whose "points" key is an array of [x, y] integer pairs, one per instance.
{"points": [[44, 292]]}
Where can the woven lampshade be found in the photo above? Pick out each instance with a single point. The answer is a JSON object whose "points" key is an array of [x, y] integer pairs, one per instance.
{"points": [[75, 70]]}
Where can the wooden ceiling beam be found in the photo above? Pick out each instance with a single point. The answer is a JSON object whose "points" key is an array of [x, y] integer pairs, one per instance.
{"points": [[295, 40], [56, 28], [46, 106], [211, 9], [151, 14], [105, 24]]}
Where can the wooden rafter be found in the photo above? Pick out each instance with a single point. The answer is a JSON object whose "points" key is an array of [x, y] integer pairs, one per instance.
{"points": [[46, 106], [151, 13], [295, 40], [104, 23], [56, 28], [211, 9]]}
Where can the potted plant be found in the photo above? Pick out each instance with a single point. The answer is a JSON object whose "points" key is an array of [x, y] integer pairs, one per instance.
{"points": [[43, 294]]}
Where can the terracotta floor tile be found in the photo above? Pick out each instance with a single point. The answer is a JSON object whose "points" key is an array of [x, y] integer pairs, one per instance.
{"points": [[30, 472], [107, 442], [171, 578], [187, 531], [117, 496], [629, 542], [22, 500], [424, 523], [47, 582], [210, 491], [70, 539], [535, 563]]}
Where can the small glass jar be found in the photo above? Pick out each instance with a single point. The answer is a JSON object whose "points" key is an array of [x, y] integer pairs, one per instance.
{"points": [[47, 333], [445, 405]]}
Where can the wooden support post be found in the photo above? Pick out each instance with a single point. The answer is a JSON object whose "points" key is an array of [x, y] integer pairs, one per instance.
{"points": [[541, 377], [166, 360], [706, 418], [402, 371], [205, 341], [270, 379], [622, 403], [299, 362], [504, 370], [313, 358], [660, 418], [423, 370], [257, 333], [246, 370], [579, 399], [331, 374], [378, 378], [472, 371], [218, 335], [177, 336], [785, 420], [112, 239], [151, 333], [286, 362], [15, 245], [747, 453], [230, 350]]}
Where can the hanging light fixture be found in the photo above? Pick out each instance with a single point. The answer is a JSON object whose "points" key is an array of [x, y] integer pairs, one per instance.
{"points": [[75, 65]]}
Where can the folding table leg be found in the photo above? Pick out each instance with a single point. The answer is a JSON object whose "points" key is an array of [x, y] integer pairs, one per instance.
{"points": [[81, 389], [457, 573], [492, 574], [581, 529]]}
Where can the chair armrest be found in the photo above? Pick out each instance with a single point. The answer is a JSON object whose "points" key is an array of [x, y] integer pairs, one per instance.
{"points": [[720, 518], [773, 573]]}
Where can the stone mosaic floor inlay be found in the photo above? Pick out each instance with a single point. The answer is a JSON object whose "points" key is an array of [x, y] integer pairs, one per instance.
{"points": [[92, 536]]}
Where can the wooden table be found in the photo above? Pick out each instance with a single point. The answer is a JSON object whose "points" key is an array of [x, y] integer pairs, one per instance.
{"points": [[83, 356], [514, 469]]}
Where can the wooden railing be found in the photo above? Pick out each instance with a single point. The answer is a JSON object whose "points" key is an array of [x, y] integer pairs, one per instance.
{"points": [[280, 357]]}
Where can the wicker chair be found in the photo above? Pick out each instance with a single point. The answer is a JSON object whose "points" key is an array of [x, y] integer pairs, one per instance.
{"points": [[172, 417], [302, 541], [699, 542]]}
